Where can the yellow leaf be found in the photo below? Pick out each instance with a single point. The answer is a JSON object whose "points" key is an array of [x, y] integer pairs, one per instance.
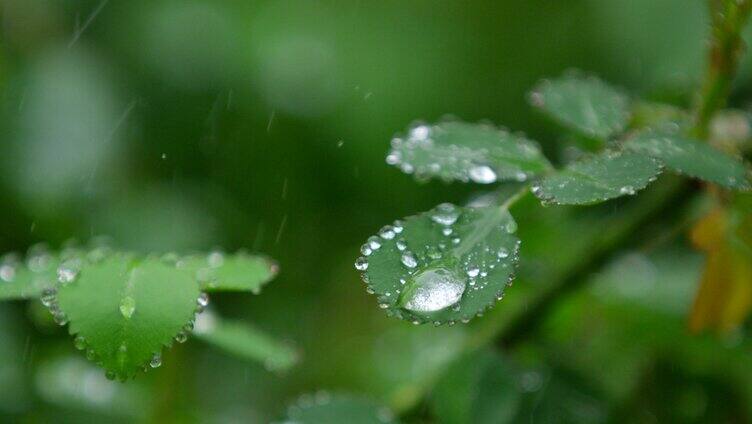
{"points": [[724, 298]]}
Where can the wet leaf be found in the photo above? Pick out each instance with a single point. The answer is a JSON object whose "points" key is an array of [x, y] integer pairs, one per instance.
{"points": [[479, 153], [691, 157], [325, 408], [124, 309], [583, 103], [724, 298], [241, 271], [244, 341], [441, 266], [598, 178]]}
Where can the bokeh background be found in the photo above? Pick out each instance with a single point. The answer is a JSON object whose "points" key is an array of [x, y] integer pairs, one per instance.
{"points": [[188, 125]]}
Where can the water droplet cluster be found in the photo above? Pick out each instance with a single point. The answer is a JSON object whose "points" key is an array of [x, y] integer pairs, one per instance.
{"points": [[437, 275], [597, 178], [453, 150]]}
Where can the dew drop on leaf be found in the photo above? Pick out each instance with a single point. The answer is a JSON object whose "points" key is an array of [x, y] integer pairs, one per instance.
{"points": [[409, 260], [156, 360], [482, 174], [445, 214], [361, 264], [127, 307], [432, 289]]}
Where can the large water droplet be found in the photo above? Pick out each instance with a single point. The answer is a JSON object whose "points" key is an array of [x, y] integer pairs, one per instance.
{"points": [[445, 214], [432, 290], [482, 174], [127, 307]]}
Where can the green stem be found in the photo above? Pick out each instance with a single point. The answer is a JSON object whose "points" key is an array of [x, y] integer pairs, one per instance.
{"points": [[726, 48]]}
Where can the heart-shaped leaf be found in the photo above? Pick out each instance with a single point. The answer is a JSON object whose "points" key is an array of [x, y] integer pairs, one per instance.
{"points": [[586, 104], [598, 178], [244, 341], [326, 408], [123, 309], [217, 271], [691, 157], [442, 266], [453, 150]]}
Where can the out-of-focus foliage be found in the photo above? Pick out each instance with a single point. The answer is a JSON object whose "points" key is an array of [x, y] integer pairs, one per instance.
{"points": [[185, 125]]}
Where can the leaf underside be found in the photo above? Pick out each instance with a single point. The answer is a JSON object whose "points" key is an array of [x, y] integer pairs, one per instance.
{"points": [[692, 157], [598, 178], [237, 272], [126, 310], [325, 408], [458, 151], [469, 254], [583, 103]]}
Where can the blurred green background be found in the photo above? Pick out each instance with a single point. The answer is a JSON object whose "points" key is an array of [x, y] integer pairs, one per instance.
{"points": [[188, 125]]}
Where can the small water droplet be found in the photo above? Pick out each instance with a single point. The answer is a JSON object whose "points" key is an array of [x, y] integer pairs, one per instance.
{"points": [[409, 260], [445, 214], [387, 233], [627, 190], [215, 259], [79, 342], [127, 307], [482, 174], [66, 274], [401, 245], [156, 361], [48, 296], [202, 302], [110, 375], [361, 264], [181, 337], [365, 250], [447, 231], [473, 272]]}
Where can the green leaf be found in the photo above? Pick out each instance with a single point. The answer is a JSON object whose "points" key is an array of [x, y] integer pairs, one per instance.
{"points": [[598, 178], [585, 104], [239, 272], [691, 157], [480, 153], [442, 266], [244, 341], [325, 408], [478, 388], [124, 309]]}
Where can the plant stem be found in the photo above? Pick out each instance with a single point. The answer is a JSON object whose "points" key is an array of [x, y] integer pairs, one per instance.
{"points": [[726, 48]]}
